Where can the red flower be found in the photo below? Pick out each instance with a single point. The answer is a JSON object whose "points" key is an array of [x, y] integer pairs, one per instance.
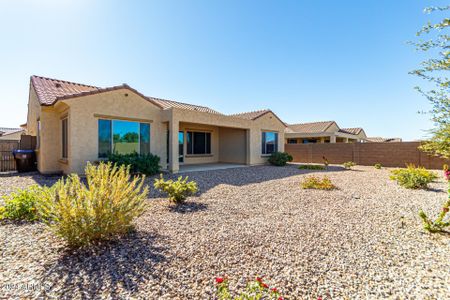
{"points": [[219, 280], [319, 298], [264, 285], [445, 209], [274, 290], [259, 279], [280, 298]]}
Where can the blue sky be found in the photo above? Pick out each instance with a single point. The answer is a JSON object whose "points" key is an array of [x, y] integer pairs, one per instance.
{"points": [[313, 60]]}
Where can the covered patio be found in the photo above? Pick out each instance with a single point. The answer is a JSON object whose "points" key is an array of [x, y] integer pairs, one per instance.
{"points": [[209, 167]]}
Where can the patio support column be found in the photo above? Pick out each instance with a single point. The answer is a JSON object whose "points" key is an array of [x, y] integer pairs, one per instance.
{"points": [[346, 140], [333, 139], [174, 165], [322, 140]]}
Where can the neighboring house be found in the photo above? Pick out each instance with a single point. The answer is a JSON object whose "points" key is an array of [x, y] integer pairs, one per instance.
{"points": [[382, 140], [322, 132], [11, 133], [75, 123]]}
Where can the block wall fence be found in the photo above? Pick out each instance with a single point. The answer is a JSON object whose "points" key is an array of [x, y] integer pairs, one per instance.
{"points": [[367, 154]]}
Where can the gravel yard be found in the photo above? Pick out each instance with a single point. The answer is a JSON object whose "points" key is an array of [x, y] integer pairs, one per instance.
{"points": [[361, 241]]}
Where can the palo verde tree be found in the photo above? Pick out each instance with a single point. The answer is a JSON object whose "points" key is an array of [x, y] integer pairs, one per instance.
{"points": [[435, 42]]}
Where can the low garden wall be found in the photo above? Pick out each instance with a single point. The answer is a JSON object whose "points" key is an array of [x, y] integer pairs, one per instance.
{"points": [[367, 154]]}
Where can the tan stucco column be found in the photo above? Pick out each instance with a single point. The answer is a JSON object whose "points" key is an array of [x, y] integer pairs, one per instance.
{"points": [[346, 140], [333, 139], [322, 140], [174, 165]]}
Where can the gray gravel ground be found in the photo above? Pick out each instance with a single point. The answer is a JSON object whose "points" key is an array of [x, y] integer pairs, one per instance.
{"points": [[361, 241]]}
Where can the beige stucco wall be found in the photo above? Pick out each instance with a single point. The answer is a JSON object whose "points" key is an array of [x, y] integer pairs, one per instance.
{"points": [[119, 104], [232, 145], [12, 136], [243, 145]]}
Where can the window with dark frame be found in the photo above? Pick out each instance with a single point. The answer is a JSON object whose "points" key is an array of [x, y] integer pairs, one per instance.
{"points": [[198, 142], [65, 134], [122, 137], [292, 141], [269, 142]]}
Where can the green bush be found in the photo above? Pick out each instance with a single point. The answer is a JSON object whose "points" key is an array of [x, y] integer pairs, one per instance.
{"points": [[314, 182], [22, 205], [311, 167], [178, 190], [377, 166], [100, 209], [413, 177], [280, 158], [349, 164], [147, 164]]}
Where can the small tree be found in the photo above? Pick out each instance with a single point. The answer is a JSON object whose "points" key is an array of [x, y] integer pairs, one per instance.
{"points": [[434, 70]]}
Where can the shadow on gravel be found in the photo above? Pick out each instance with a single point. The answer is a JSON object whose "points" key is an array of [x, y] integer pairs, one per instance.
{"points": [[188, 207], [107, 270], [207, 180]]}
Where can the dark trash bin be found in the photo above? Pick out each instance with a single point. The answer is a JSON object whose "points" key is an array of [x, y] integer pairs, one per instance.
{"points": [[25, 160]]}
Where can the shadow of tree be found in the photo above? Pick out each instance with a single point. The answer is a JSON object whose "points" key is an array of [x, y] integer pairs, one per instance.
{"points": [[188, 207], [113, 267]]}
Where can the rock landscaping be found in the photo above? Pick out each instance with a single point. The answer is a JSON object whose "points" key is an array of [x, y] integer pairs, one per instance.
{"points": [[362, 240]]}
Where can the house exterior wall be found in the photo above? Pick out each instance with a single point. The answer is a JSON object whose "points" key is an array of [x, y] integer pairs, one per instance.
{"points": [[119, 104], [12, 136], [232, 145], [242, 137]]}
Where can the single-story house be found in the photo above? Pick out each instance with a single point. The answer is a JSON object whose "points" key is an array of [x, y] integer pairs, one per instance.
{"points": [[322, 132], [378, 139], [11, 133], [76, 123]]}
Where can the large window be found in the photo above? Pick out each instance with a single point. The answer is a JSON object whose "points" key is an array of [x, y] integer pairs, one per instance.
{"points": [[123, 137], [198, 142], [292, 141], [269, 142], [65, 134]]}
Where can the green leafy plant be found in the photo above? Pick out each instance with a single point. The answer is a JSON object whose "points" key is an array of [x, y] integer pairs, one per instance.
{"points": [[377, 166], [178, 190], [413, 177], [311, 167], [434, 70], [101, 209], [22, 204], [314, 182], [439, 224], [255, 290], [280, 158], [349, 165], [147, 164]]}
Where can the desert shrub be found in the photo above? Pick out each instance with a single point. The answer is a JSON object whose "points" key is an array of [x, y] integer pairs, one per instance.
{"points": [[178, 190], [22, 204], [311, 167], [413, 177], [147, 164], [439, 224], [102, 208], [280, 158], [349, 164], [314, 182], [377, 166], [254, 290]]}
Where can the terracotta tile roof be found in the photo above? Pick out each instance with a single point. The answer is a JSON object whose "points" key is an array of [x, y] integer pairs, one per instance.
{"points": [[7, 130], [354, 131], [378, 139], [251, 115], [313, 127], [49, 90], [166, 104]]}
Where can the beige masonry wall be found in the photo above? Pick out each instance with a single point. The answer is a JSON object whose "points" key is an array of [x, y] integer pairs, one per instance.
{"points": [[119, 104], [232, 145]]}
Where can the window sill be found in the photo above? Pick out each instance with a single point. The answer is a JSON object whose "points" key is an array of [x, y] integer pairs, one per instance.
{"points": [[63, 161], [199, 155]]}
